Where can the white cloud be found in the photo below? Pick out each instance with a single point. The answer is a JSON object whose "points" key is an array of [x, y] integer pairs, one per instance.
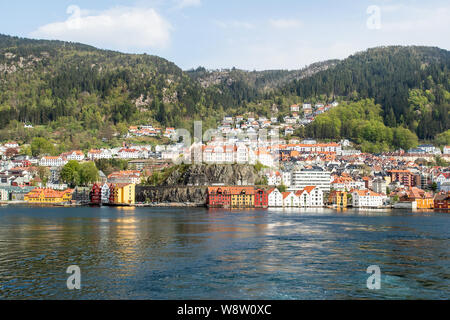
{"points": [[285, 23], [188, 3], [121, 28]]}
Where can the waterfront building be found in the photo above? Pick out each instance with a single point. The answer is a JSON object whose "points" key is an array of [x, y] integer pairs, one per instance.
{"points": [[96, 194], [81, 195], [366, 199], [338, 198], [310, 196], [423, 199], [122, 194], [261, 199], [234, 197], [242, 197], [219, 197], [275, 198], [290, 200], [105, 193], [442, 201], [48, 196]]}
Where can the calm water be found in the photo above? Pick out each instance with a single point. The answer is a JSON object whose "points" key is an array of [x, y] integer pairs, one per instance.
{"points": [[154, 253]]}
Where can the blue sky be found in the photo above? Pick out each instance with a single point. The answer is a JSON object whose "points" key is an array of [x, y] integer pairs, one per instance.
{"points": [[250, 34]]}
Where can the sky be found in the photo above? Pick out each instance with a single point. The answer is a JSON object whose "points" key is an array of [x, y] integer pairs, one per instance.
{"points": [[246, 34]]}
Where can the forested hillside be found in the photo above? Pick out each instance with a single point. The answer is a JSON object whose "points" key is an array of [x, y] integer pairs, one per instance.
{"points": [[411, 84], [80, 96]]}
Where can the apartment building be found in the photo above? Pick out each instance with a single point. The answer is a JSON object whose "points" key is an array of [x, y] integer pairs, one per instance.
{"points": [[311, 177]]}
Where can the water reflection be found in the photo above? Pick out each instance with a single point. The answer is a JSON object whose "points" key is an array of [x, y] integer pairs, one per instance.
{"points": [[142, 253]]}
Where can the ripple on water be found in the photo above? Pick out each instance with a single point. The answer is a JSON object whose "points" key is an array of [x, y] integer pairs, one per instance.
{"points": [[166, 253]]}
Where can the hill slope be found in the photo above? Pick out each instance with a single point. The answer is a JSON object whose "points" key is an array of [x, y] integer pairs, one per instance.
{"points": [[83, 95], [412, 85]]}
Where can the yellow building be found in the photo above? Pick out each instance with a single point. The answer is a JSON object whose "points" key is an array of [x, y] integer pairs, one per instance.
{"points": [[122, 193], [338, 198], [242, 197], [424, 200], [48, 196]]}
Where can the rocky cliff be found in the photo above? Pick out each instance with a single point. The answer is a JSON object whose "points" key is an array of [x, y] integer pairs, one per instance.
{"points": [[193, 195], [188, 184], [206, 175]]}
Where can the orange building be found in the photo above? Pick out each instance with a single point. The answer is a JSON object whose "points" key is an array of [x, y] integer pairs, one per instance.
{"points": [[423, 199]]}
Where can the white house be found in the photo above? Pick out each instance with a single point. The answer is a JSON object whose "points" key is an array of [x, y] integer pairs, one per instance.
{"points": [[441, 179], [290, 200], [446, 150], [12, 145], [366, 199], [129, 153], [274, 178], [310, 197], [288, 131], [316, 196], [275, 198], [99, 154], [52, 162], [73, 155], [295, 108], [105, 193]]}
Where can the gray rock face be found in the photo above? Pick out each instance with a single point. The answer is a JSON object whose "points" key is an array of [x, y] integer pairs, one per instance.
{"points": [[197, 195], [189, 184], [206, 175]]}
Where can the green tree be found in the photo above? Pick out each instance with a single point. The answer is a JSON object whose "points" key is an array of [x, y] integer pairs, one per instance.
{"points": [[70, 173], [41, 146], [88, 173], [434, 186], [405, 139], [43, 174]]}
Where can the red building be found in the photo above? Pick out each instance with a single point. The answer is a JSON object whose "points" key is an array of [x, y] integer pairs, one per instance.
{"points": [[261, 199], [405, 177], [442, 201], [219, 197], [96, 194]]}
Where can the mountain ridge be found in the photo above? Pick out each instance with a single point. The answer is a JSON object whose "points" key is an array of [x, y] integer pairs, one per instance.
{"points": [[53, 83]]}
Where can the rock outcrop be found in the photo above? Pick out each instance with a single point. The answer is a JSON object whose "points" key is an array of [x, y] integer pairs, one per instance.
{"points": [[206, 175], [194, 195]]}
